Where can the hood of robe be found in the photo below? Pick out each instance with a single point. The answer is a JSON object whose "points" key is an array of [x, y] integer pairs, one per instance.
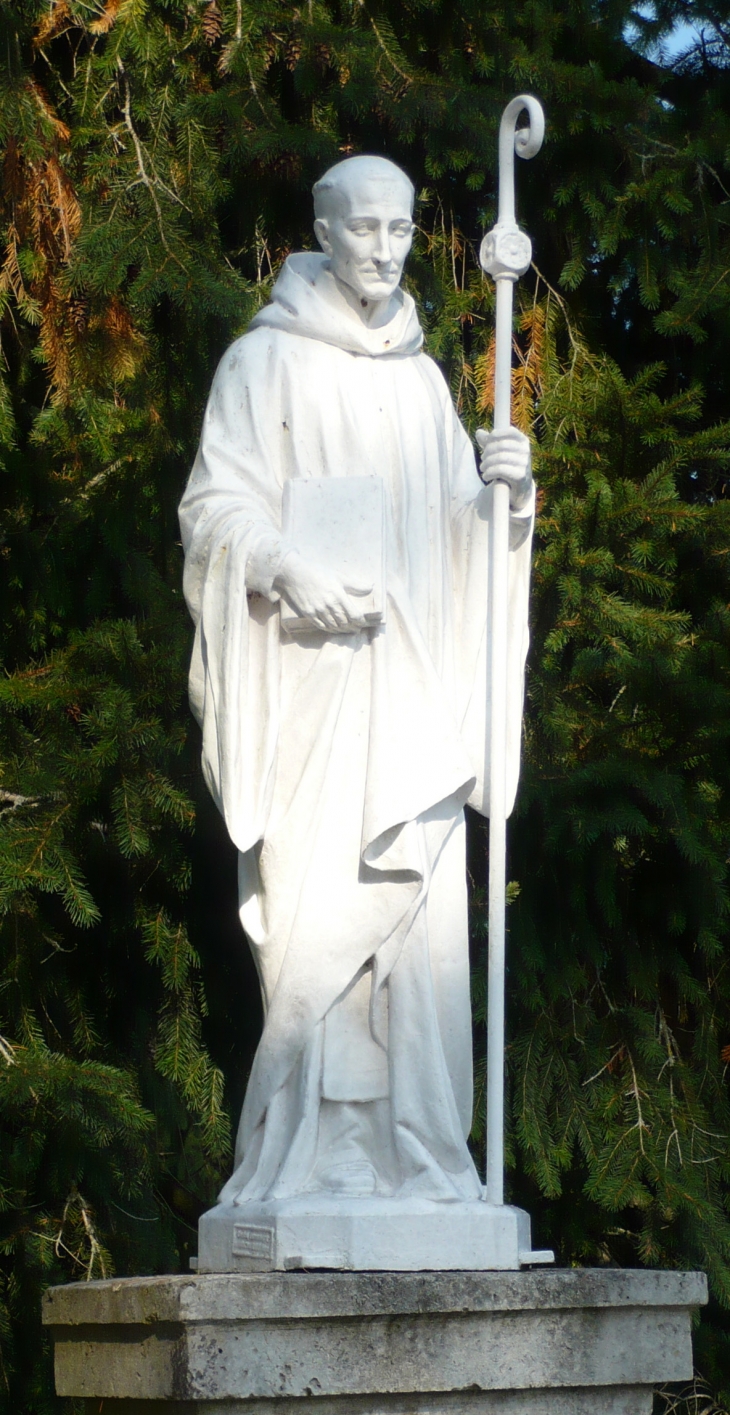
{"points": [[307, 300]]}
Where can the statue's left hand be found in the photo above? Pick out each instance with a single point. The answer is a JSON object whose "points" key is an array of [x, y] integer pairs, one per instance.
{"points": [[506, 457]]}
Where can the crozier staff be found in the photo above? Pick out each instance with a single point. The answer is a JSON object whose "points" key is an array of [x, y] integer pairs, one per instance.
{"points": [[505, 254], [342, 761]]}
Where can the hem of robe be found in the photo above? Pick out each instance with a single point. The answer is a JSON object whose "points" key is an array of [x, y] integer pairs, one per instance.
{"points": [[275, 1156]]}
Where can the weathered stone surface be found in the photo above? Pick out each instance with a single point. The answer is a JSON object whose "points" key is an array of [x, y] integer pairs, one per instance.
{"points": [[235, 1297], [623, 1400], [582, 1342]]}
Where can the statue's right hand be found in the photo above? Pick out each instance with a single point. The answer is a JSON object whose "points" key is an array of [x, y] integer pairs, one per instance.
{"points": [[319, 595]]}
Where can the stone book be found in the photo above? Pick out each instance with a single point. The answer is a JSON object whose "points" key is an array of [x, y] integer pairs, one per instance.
{"points": [[338, 523]]}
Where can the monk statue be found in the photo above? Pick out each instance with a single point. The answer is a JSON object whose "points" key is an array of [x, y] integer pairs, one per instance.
{"points": [[342, 755]]}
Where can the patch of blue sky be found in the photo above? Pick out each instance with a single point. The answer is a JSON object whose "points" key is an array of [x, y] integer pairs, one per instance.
{"points": [[673, 46]]}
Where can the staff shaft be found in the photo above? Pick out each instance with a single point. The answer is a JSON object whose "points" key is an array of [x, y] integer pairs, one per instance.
{"points": [[503, 356], [498, 608], [498, 612]]}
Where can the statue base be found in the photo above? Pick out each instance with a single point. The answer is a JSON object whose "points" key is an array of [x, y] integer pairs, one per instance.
{"points": [[577, 1342], [364, 1235]]}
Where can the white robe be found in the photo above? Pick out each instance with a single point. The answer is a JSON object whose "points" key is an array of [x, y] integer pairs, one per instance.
{"points": [[341, 763]]}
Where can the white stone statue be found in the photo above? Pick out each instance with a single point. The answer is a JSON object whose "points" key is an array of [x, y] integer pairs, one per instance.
{"points": [[342, 757]]}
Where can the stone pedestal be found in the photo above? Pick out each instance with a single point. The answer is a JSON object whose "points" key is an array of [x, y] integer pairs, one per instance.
{"points": [[364, 1235], [576, 1342]]}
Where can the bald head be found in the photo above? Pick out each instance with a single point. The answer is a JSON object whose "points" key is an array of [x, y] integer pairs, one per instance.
{"points": [[336, 191], [364, 224]]}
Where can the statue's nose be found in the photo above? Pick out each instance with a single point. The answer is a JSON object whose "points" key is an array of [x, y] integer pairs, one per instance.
{"points": [[382, 254]]}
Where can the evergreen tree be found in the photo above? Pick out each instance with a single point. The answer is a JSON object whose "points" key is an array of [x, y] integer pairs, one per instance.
{"points": [[618, 992], [157, 163]]}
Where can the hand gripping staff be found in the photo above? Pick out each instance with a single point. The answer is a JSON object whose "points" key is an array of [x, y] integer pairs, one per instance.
{"points": [[505, 254]]}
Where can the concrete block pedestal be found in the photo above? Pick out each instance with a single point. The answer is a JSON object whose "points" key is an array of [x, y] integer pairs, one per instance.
{"points": [[575, 1342]]}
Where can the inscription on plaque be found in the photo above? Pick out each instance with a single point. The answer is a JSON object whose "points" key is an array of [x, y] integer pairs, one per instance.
{"points": [[252, 1242]]}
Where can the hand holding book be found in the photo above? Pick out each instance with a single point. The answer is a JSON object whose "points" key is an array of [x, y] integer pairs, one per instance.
{"points": [[319, 596]]}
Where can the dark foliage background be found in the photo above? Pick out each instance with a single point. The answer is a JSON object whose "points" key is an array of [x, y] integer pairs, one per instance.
{"points": [[157, 162]]}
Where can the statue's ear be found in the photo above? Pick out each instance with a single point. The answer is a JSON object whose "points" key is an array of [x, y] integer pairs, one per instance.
{"points": [[321, 231]]}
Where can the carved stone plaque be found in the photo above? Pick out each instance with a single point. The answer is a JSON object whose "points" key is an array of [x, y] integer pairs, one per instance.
{"points": [[252, 1242]]}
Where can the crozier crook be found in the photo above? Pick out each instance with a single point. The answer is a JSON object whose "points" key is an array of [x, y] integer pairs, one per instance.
{"points": [[505, 254]]}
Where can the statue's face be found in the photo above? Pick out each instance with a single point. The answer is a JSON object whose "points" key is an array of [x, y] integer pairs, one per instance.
{"points": [[367, 234]]}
